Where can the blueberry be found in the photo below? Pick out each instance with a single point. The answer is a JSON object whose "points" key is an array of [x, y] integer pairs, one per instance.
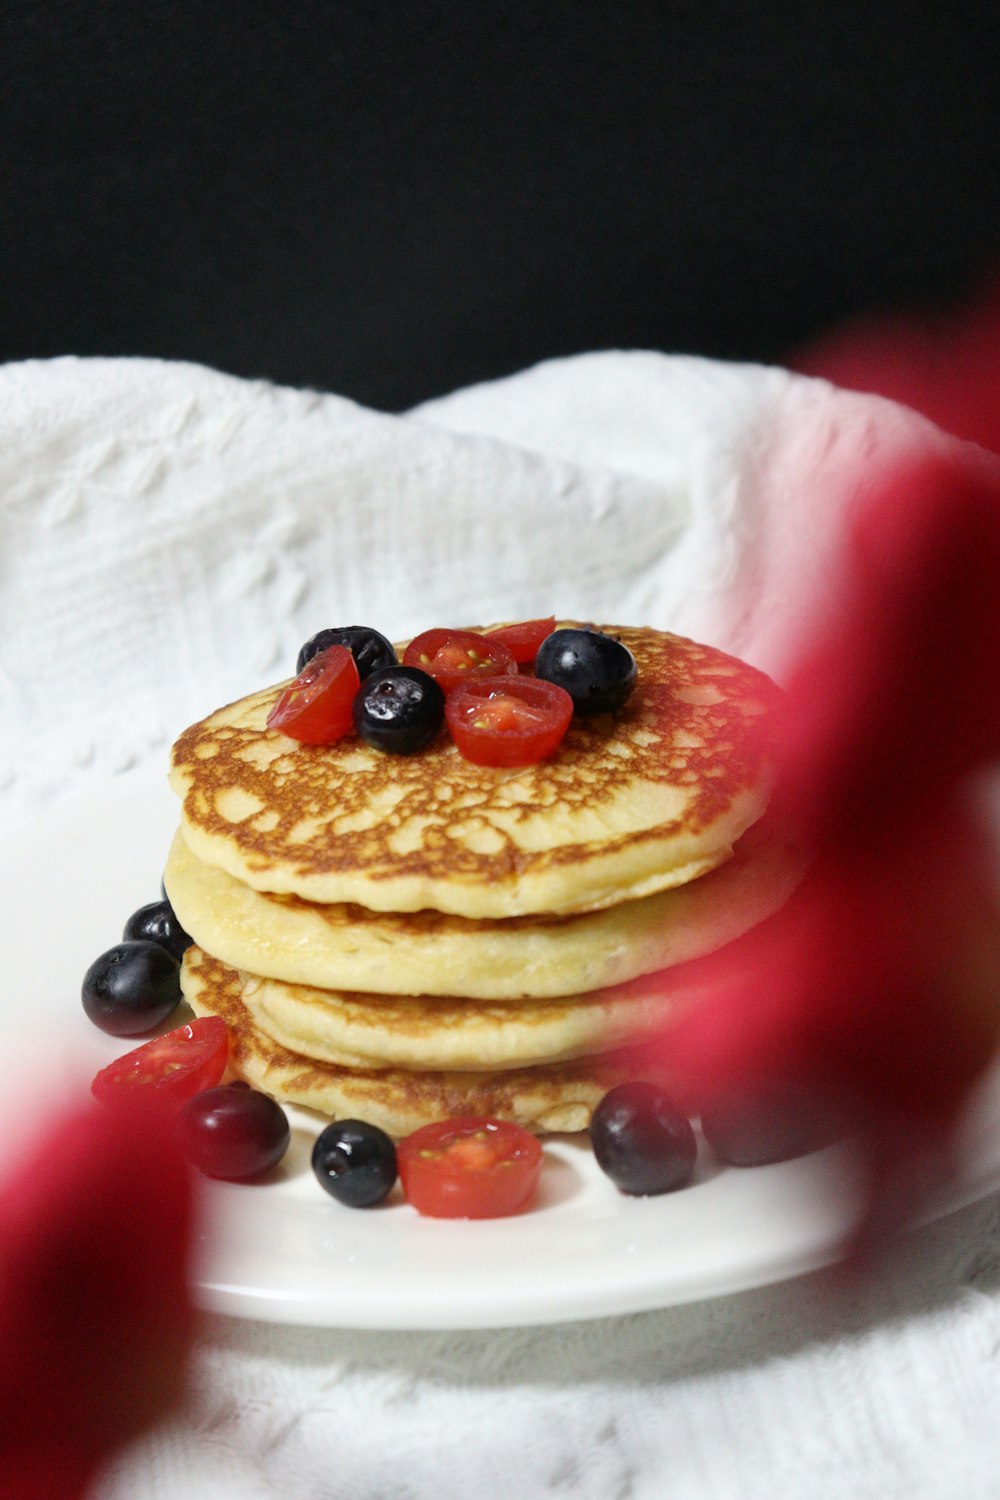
{"points": [[400, 709], [768, 1124], [355, 1162], [642, 1141], [131, 988], [597, 671], [233, 1133], [369, 649], [157, 923]]}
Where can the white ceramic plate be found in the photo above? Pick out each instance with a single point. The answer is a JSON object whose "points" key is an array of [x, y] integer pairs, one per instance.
{"points": [[286, 1252]]}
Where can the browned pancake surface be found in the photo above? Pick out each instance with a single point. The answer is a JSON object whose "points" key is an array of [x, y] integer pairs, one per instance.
{"points": [[674, 777], [546, 1098]]}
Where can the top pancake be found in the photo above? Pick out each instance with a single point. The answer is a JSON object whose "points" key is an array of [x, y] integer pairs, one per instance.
{"points": [[630, 803]]}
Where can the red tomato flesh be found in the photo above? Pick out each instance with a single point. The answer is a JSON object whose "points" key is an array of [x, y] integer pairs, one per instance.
{"points": [[316, 708], [469, 1168], [454, 656], [169, 1069], [504, 721], [523, 639]]}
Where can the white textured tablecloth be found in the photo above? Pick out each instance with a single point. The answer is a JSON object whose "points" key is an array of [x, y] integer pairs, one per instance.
{"points": [[168, 538]]}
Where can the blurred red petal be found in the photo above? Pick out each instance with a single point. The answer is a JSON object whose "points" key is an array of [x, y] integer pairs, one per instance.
{"points": [[898, 694], [877, 989], [945, 365], [95, 1314]]}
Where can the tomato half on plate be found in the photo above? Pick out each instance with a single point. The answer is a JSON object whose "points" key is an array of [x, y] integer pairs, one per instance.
{"points": [[524, 638], [508, 721], [169, 1069], [317, 707], [469, 1168], [454, 656]]}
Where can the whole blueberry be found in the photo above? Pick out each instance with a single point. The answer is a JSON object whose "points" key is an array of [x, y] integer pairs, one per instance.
{"points": [[770, 1123], [131, 988], [642, 1141], [597, 671], [157, 923], [399, 709], [355, 1162], [369, 649]]}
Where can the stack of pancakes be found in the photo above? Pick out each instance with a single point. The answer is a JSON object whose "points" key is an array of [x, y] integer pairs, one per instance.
{"points": [[406, 938]]}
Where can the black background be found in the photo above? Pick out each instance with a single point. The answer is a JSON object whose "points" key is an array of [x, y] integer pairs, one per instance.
{"points": [[391, 200]]}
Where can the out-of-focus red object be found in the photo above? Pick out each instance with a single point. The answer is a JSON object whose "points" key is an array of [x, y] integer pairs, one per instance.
{"points": [[945, 365], [95, 1316], [876, 992]]}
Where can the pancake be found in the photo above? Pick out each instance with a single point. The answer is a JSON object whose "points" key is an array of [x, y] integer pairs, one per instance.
{"points": [[555, 1097], [422, 1032], [631, 803], [345, 947]]}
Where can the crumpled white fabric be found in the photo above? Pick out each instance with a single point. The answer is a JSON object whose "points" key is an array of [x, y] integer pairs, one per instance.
{"points": [[810, 1390], [170, 535], [168, 538]]}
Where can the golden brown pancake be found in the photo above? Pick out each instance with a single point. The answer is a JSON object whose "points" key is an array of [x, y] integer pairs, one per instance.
{"points": [[630, 804], [448, 1033], [554, 1097], [341, 947]]}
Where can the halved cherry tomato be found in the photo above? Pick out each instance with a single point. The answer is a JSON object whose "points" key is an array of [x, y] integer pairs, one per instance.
{"points": [[453, 656], [316, 707], [170, 1068], [469, 1168], [523, 639], [507, 721]]}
